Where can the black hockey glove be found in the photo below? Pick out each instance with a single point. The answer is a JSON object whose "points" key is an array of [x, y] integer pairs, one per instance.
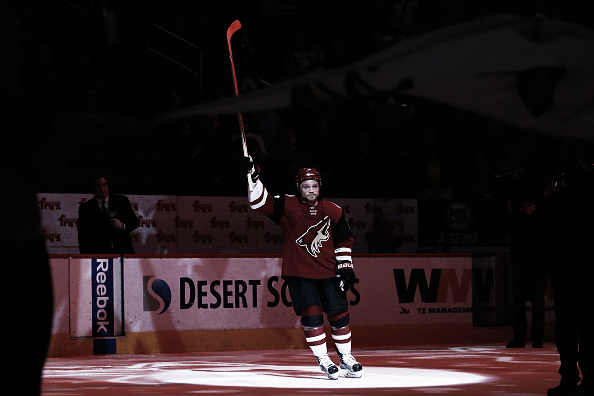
{"points": [[345, 279], [251, 168]]}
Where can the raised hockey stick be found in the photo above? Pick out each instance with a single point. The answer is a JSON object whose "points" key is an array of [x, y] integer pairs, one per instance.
{"points": [[235, 26]]}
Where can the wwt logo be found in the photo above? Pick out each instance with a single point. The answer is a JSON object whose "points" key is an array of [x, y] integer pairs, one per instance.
{"points": [[156, 294], [435, 288]]}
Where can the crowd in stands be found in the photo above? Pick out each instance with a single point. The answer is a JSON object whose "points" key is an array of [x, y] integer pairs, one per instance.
{"points": [[96, 66]]}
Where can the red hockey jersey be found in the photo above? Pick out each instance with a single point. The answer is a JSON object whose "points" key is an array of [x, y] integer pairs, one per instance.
{"points": [[316, 238]]}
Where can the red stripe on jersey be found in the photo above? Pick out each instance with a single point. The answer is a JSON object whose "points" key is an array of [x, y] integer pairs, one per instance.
{"points": [[258, 200]]}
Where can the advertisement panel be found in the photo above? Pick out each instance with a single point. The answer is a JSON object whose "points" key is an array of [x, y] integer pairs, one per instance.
{"points": [[96, 304], [156, 232], [246, 292], [450, 225], [59, 221], [419, 289], [170, 224], [493, 306], [217, 223], [60, 295], [205, 294], [394, 225]]}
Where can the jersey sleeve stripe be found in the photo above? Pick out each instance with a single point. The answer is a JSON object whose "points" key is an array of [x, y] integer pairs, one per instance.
{"points": [[258, 196], [343, 254], [260, 202], [343, 250]]}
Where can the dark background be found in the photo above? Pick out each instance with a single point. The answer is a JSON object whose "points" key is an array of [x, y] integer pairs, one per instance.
{"points": [[94, 98]]}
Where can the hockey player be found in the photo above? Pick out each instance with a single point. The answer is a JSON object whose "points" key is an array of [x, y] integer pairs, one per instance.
{"points": [[317, 264]]}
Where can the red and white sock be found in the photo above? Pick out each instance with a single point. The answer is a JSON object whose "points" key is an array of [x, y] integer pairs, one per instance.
{"points": [[316, 339], [342, 339]]}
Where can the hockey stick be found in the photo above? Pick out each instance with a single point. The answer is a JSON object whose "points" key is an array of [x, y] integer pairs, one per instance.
{"points": [[235, 26]]}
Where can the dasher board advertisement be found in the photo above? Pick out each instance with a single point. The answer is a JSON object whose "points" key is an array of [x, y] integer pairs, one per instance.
{"points": [[96, 304], [214, 293]]}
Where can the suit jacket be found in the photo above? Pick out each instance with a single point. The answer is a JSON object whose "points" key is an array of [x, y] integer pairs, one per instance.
{"points": [[95, 232]]}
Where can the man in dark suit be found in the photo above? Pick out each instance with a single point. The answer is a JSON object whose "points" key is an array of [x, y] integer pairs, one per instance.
{"points": [[105, 221]]}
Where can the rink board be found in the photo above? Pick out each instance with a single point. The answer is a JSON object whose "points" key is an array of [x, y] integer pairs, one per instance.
{"points": [[221, 302]]}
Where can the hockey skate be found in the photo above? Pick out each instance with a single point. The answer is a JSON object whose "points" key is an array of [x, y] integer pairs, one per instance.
{"points": [[328, 367], [350, 366]]}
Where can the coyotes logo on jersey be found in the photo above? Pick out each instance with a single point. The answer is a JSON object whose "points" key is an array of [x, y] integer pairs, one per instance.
{"points": [[312, 239]]}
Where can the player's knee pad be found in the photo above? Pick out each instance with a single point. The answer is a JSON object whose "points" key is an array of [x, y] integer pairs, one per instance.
{"points": [[312, 316], [312, 321], [338, 320]]}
